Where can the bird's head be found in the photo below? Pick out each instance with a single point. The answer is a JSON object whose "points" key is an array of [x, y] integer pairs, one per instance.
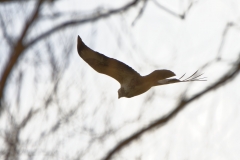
{"points": [[121, 93]]}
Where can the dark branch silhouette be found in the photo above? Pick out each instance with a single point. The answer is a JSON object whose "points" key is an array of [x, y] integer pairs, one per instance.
{"points": [[140, 13], [20, 46], [17, 50], [181, 16]]}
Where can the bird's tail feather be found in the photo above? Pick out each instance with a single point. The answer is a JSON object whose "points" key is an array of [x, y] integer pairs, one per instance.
{"points": [[193, 77]]}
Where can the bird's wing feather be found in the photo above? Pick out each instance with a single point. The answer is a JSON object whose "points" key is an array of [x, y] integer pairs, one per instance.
{"points": [[105, 65]]}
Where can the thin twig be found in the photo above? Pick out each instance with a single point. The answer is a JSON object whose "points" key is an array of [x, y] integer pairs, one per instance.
{"points": [[94, 18], [17, 50], [20, 47], [140, 13], [181, 16]]}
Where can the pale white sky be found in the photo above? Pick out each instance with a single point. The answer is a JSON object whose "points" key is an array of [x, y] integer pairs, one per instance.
{"points": [[207, 129]]}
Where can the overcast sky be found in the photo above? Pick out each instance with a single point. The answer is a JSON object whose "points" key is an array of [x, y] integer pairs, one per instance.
{"points": [[208, 129]]}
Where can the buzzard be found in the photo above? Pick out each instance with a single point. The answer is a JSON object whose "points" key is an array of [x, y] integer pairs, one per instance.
{"points": [[132, 83]]}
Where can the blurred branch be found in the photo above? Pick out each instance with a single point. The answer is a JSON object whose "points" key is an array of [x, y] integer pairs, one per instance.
{"points": [[12, 136], [218, 58], [15, 0], [228, 26], [20, 47], [223, 39], [17, 50], [21, 1], [230, 75], [95, 17], [181, 16], [7, 0], [4, 31], [140, 12]]}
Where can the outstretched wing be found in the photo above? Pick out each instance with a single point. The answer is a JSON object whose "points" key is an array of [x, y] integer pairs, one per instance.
{"points": [[105, 65]]}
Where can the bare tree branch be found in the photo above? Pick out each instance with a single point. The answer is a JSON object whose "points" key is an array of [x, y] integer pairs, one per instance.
{"points": [[17, 50], [20, 47], [4, 31], [140, 12], [230, 75], [5, 1], [12, 136], [226, 29], [94, 18], [181, 16], [218, 58]]}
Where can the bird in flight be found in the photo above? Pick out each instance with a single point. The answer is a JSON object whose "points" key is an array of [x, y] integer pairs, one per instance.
{"points": [[132, 83]]}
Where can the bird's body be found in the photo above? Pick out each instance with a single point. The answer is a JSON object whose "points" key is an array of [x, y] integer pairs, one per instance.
{"points": [[132, 83]]}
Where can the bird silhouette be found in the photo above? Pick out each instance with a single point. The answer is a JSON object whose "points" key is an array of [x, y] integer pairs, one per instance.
{"points": [[132, 83]]}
